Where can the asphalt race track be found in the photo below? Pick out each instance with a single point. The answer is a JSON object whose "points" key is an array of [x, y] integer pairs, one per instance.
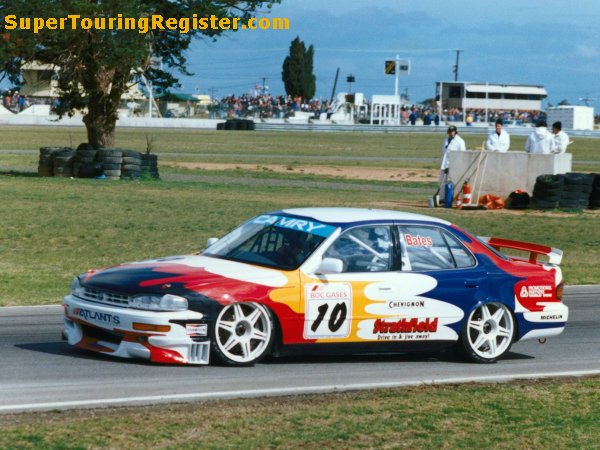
{"points": [[38, 371]]}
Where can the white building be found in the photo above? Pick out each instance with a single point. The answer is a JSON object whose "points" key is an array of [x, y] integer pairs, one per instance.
{"points": [[490, 96], [572, 117]]}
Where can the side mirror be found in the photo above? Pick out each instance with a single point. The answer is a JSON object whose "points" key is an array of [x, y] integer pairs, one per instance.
{"points": [[211, 241], [330, 265]]}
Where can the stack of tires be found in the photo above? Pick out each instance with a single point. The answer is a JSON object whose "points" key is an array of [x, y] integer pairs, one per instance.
{"points": [[238, 124], [63, 162], [595, 195], [46, 161], [149, 166], [576, 191], [85, 165], [131, 166], [547, 191], [111, 160]]}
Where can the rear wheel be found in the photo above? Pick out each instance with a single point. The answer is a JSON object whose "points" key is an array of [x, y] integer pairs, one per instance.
{"points": [[243, 334], [489, 333]]}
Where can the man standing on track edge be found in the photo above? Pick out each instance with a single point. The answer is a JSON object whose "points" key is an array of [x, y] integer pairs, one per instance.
{"points": [[453, 142]]}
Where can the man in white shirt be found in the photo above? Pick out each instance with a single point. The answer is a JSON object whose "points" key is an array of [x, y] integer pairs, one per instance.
{"points": [[453, 142], [540, 140], [499, 140], [560, 139]]}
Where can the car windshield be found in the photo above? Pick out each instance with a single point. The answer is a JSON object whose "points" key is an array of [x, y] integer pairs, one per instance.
{"points": [[273, 241]]}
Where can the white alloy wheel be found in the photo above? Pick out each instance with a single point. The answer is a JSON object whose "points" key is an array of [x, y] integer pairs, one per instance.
{"points": [[243, 333], [489, 333]]}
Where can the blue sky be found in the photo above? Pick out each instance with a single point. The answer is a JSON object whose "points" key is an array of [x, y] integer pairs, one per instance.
{"points": [[552, 43]]}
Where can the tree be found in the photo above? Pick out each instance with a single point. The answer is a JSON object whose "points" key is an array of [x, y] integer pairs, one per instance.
{"points": [[96, 67], [297, 74]]}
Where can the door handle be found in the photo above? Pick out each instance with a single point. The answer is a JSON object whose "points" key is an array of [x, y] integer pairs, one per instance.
{"points": [[472, 284]]}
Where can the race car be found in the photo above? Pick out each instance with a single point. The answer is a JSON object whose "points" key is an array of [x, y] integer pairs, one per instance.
{"points": [[322, 280]]}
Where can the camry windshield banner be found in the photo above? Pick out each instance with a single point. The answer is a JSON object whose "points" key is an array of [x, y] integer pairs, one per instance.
{"points": [[306, 226]]}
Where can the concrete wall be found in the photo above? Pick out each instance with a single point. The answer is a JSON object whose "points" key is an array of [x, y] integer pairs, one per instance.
{"points": [[503, 173]]}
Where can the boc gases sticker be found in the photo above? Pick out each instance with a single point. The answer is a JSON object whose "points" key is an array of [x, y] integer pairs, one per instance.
{"points": [[328, 310]]}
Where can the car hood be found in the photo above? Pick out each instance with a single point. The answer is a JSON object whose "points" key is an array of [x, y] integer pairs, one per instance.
{"points": [[174, 274]]}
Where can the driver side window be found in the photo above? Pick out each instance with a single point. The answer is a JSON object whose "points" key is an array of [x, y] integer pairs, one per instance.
{"points": [[363, 249]]}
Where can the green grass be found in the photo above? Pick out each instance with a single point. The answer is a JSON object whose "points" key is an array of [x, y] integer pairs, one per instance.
{"points": [[531, 415], [416, 145], [54, 228]]}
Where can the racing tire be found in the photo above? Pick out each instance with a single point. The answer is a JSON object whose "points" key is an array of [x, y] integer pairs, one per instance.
{"points": [[107, 166], [112, 160], [132, 154], [544, 204], [574, 188], [113, 174], [132, 160], [570, 204], [109, 153], [488, 334], [243, 334], [572, 195], [550, 181], [547, 198], [546, 195], [573, 178], [131, 167]]}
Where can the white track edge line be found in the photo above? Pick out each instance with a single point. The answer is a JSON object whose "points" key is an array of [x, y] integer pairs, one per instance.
{"points": [[274, 392]]}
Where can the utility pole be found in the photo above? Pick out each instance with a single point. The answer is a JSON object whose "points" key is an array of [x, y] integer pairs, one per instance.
{"points": [[212, 92], [337, 74], [455, 70], [264, 85]]}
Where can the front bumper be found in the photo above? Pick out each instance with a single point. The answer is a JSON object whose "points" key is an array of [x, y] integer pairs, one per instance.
{"points": [[110, 330]]}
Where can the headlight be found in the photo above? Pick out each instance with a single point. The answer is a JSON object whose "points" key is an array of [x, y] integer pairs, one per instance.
{"points": [[76, 287], [167, 302]]}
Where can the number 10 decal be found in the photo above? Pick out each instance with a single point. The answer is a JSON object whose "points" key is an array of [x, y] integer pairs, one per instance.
{"points": [[328, 310]]}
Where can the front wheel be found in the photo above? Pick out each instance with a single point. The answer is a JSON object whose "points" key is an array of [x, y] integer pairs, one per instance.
{"points": [[489, 333], [243, 334]]}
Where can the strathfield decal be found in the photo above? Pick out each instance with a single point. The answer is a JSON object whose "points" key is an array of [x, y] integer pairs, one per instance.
{"points": [[328, 310], [97, 317], [418, 241], [411, 325]]}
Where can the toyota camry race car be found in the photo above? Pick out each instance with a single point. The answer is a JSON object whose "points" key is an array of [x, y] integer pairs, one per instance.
{"points": [[332, 279]]}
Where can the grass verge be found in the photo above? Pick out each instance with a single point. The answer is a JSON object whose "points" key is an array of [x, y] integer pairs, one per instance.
{"points": [[56, 228], [524, 414]]}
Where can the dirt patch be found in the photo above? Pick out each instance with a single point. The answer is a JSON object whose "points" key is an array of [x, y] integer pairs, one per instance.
{"points": [[351, 173]]}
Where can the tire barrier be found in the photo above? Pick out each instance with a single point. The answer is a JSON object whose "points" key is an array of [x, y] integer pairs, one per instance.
{"points": [[576, 191], [149, 166], [46, 161], [111, 160], [237, 124], [85, 165], [595, 192], [63, 162], [131, 165], [518, 200], [85, 162], [547, 191]]}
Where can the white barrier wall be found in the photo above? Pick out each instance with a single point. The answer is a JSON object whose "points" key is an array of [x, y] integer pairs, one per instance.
{"points": [[502, 173]]}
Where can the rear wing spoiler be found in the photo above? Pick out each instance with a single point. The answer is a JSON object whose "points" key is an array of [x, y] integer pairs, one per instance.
{"points": [[554, 255]]}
